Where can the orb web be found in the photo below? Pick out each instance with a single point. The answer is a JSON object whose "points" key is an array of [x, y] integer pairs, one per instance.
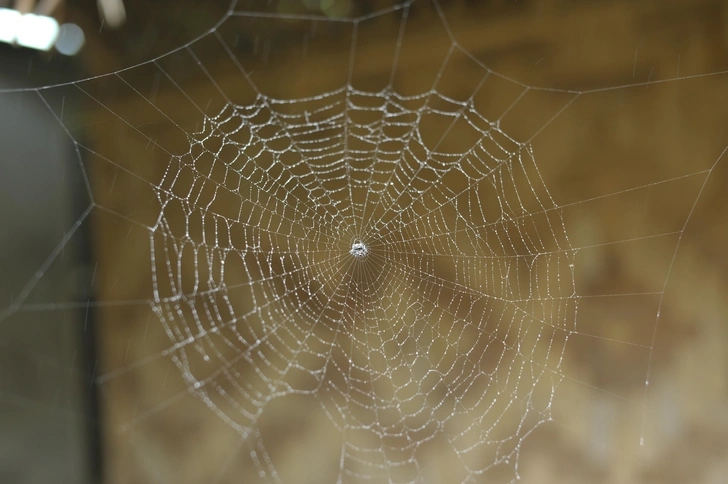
{"points": [[450, 319], [390, 253]]}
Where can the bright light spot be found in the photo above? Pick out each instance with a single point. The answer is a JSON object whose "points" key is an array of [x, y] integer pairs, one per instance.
{"points": [[37, 32], [113, 12], [9, 21], [70, 39]]}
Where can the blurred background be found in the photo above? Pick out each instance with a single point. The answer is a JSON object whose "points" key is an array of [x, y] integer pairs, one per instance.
{"points": [[627, 126]]}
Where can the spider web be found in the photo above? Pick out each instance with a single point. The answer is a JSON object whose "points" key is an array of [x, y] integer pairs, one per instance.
{"points": [[389, 251], [368, 333]]}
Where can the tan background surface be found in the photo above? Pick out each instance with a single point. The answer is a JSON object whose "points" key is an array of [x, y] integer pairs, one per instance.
{"points": [[602, 143]]}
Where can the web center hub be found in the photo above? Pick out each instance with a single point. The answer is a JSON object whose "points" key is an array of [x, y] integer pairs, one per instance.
{"points": [[359, 250]]}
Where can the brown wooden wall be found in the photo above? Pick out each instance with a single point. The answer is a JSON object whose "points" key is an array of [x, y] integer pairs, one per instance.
{"points": [[586, 146]]}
